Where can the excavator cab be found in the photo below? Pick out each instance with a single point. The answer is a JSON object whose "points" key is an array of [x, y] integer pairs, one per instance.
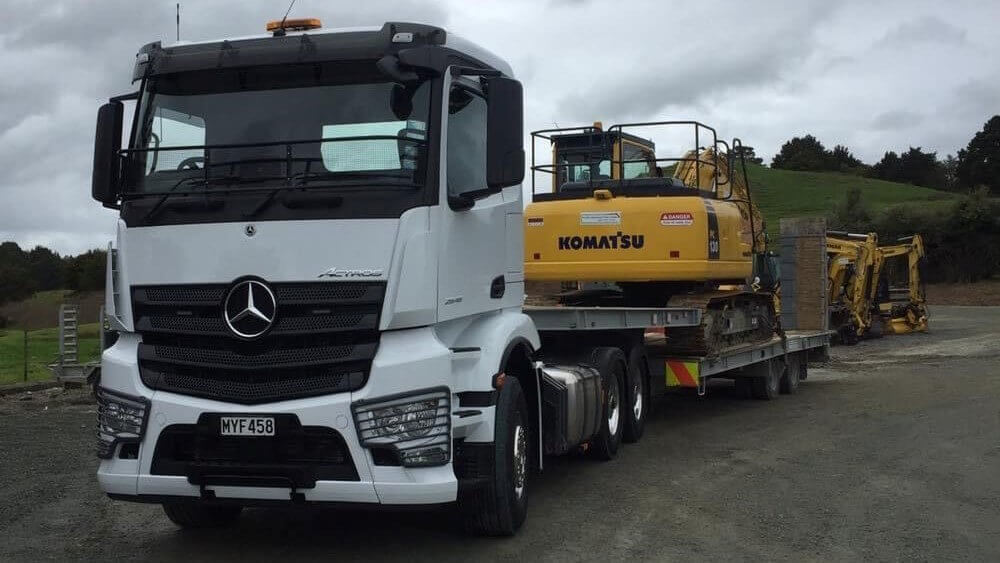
{"points": [[587, 156]]}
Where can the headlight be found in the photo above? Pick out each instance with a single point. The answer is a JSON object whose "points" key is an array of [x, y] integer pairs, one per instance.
{"points": [[120, 418], [417, 426]]}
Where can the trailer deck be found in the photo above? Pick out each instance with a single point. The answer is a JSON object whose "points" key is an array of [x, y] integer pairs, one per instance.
{"points": [[549, 319]]}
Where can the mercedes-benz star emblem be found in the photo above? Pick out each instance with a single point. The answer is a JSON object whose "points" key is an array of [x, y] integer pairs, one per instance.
{"points": [[249, 309]]}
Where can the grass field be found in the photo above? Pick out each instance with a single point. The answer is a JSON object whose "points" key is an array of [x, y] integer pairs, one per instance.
{"points": [[787, 193], [43, 347]]}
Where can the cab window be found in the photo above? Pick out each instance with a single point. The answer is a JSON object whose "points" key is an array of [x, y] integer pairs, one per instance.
{"points": [[466, 141], [644, 169]]}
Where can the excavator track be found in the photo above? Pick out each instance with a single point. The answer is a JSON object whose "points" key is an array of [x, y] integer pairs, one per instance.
{"points": [[729, 319]]}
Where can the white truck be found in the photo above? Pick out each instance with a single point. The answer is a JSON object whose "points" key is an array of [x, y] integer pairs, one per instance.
{"points": [[317, 286]]}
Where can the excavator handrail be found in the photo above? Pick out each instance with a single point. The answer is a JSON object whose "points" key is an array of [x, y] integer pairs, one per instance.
{"points": [[620, 127]]}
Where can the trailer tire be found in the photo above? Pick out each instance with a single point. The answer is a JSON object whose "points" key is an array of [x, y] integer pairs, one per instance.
{"points": [[743, 387], [766, 387], [610, 362], [500, 506], [187, 514], [637, 396], [790, 377]]}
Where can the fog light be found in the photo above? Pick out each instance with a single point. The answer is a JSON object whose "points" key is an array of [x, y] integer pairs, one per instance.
{"points": [[120, 418], [417, 426]]}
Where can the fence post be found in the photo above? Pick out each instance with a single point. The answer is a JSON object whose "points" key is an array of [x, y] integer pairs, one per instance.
{"points": [[25, 355]]}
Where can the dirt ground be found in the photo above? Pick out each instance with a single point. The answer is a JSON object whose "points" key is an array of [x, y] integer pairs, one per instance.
{"points": [[890, 451], [986, 292]]}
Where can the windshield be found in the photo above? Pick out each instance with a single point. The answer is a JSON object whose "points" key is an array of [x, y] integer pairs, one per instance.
{"points": [[330, 124]]}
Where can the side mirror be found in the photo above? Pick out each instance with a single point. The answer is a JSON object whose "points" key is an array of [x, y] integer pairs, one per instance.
{"points": [[107, 162], [504, 133]]}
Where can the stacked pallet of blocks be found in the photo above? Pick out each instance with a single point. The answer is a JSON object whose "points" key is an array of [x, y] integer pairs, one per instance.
{"points": [[803, 274]]}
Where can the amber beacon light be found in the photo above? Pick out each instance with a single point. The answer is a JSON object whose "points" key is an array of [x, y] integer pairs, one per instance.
{"points": [[300, 24]]}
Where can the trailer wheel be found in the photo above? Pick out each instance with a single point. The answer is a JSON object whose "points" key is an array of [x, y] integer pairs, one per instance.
{"points": [[790, 377], [610, 362], [499, 507], [187, 514], [765, 386], [637, 396]]}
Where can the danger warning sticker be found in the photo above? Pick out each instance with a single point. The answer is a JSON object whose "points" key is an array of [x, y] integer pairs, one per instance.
{"points": [[536, 221], [676, 219]]}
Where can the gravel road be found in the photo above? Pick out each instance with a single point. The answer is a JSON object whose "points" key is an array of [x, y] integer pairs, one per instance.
{"points": [[890, 451]]}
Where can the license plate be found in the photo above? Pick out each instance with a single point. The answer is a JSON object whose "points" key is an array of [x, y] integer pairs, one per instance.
{"points": [[246, 426]]}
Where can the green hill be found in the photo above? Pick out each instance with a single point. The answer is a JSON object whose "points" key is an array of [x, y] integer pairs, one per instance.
{"points": [[787, 193]]}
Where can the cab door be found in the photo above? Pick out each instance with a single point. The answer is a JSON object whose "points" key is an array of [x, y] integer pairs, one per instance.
{"points": [[477, 262]]}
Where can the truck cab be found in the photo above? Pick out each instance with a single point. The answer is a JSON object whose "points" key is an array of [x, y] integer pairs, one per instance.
{"points": [[317, 275]]}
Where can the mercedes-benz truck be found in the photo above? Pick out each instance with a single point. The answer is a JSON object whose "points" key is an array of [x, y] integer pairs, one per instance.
{"points": [[317, 285]]}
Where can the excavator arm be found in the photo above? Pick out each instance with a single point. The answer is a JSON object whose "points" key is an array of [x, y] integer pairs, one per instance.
{"points": [[909, 315], [852, 282]]}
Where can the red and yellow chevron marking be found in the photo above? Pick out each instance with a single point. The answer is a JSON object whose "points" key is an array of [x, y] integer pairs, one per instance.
{"points": [[682, 374]]}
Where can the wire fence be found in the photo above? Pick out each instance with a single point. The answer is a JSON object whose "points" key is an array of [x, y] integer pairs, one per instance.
{"points": [[31, 354]]}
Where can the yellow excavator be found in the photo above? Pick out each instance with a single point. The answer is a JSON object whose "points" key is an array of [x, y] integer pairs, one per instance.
{"points": [[625, 227], [852, 284], [903, 308]]}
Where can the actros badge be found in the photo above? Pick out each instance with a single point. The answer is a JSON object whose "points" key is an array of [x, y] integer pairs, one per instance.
{"points": [[352, 273], [249, 309]]}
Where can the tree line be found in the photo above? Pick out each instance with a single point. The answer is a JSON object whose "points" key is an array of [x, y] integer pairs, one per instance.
{"points": [[961, 236], [977, 165], [23, 272]]}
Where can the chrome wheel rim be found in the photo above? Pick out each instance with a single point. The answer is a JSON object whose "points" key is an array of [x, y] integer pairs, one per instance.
{"points": [[520, 460], [637, 401], [614, 410]]}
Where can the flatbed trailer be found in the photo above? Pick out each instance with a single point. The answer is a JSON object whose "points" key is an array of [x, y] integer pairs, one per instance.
{"points": [[573, 336]]}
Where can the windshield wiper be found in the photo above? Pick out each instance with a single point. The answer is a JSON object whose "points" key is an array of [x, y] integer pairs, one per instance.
{"points": [[376, 179], [358, 180], [195, 181], [163, 199]]}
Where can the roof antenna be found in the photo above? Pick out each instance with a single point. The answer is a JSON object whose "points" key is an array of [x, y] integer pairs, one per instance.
{"points": [[280, 32], [178, 21]]}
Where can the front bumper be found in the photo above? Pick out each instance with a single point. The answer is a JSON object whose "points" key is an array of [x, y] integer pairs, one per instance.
{"points": [[406, 360]]}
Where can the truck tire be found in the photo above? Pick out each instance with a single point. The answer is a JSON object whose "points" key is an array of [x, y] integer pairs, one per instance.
{"points": [[610, 362], [790, 377], [765, 387], [637, 396], [500, 506], [187, 514]]}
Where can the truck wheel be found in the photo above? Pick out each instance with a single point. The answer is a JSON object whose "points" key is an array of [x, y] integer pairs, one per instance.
{"points": [[637, 398], [499, 507], [790, 377], [765, 387], [610, 362], [197, 515]]}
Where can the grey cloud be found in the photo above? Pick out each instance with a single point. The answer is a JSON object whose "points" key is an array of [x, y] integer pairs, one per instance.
{"points": [[979, 96], [896, 119], [922, 30], [690, 76]]}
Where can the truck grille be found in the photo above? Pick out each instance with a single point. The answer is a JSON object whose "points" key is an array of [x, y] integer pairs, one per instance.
{"points": [[322, 341]]}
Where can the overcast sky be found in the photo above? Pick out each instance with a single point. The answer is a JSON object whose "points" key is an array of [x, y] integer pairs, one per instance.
{"points": [[874, 76]]}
